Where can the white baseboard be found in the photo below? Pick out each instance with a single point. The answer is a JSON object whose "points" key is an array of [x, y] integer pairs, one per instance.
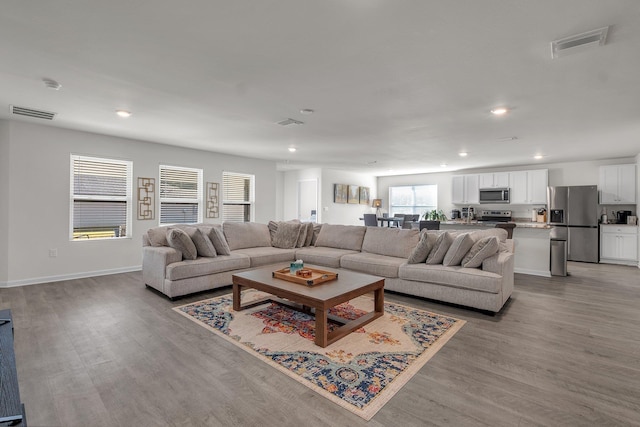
{"points": [[532, 272], [82, 275]]}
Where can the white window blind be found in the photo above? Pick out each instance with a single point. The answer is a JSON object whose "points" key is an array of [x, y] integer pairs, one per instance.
{"points": [[413, 199], [180, 195], [237, 197], [100, 198]]}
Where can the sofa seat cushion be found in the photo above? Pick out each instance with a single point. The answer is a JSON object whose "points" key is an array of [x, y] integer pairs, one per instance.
{"points": [[267, 255], [378, 265], [327, 257], [204, 266], [455, 276]]}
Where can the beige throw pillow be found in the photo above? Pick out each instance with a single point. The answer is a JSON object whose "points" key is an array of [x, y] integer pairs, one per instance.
{"points": [[422, 249], [459, 248], [201, 240], [309, 236], [216, 235], [286, 236], [440, 248], [158, 236], [481, 250], [180, 241]]}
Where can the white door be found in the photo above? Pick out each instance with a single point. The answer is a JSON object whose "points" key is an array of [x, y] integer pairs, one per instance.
{"points": [[308, 200]]}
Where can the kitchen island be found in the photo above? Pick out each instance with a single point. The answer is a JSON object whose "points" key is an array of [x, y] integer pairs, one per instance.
{"points": [[532, 242]]}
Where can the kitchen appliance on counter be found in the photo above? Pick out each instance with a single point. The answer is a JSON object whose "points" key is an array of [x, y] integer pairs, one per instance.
{"points": [[621, 217], [495, 216], [573, 215], [455, 214], [494, 195], [468, 213]]}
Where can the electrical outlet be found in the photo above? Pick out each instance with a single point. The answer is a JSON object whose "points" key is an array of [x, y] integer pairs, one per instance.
{"points": [[53, 252]]}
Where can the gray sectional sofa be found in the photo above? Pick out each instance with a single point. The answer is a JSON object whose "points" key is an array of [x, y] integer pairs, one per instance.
{"points": [[398, 255]]}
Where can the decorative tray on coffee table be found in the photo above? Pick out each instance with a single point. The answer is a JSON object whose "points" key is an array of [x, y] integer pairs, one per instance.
{"points": [[307, 276]]}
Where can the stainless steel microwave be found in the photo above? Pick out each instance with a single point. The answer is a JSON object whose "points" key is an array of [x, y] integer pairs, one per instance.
{"points": [[494, 195]]}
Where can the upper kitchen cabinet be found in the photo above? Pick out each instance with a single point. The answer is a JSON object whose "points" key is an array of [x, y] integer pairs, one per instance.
{"points": [[617, 184], [494, 180], [465, 189], [529, 187]]}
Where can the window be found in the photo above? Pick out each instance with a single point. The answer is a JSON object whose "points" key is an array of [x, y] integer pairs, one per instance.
{"points": [[238, 196], [413, 199], [100, 198], [180, 195]]}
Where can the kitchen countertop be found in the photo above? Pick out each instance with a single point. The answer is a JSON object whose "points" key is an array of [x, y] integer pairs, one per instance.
{"points": [[519, 223], [620, 225]]}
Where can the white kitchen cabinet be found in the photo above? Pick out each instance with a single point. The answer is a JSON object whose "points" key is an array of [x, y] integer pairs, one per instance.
{"points": [[494, 180], [465, 190], [619, 244], [617, 184], [528, 187]]}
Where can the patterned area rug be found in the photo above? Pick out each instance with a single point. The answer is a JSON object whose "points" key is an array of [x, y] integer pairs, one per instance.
{"points": [[359, 372]]}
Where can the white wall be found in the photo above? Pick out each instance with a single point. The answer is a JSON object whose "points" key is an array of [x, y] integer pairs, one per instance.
{"points": [[38, 200], [344, 213], [290, 191], [4, 200]]}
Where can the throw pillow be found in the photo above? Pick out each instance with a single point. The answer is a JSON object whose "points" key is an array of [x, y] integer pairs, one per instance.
{"points": [[158, 236], [302, 236], [459, 248], [273, 227], [422, 249], [316, 232], [180, 241], [216, 235], [202, 242], [286, 236], [481, 250], [440, 248], [309, 237]]}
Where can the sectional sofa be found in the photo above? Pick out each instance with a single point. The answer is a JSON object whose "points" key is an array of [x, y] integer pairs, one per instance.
{"points": [[178, 260]]}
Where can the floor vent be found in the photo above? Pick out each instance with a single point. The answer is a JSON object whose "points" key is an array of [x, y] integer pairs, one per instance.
{"points": [[30, 112], [287, 122], [579, 42]]}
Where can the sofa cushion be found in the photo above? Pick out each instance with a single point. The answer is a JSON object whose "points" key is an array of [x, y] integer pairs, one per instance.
{"points": [[204, 266], [216, 235], [395, 242], [158, 236], [500, 233], [376, 264], [316, 232], [457, 276], [286, 235], [302, 237], [265, 255], [242, 235], [309, 234], [440, 248], [327, 257], [481, 250], [179, 240], [425, 244], [341, 236], [458, 249], [201, 240]]}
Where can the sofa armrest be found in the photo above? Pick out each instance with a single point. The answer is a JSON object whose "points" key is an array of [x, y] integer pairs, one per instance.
{"points": [[500, 263], [154, 264]]}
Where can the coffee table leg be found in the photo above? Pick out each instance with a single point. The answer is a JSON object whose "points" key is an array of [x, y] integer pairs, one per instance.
{"points": [[379, 300], [236, 297], [321, 327]]}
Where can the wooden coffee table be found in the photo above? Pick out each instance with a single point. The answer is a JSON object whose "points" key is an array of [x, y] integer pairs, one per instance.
{"points": [[317, 299]]}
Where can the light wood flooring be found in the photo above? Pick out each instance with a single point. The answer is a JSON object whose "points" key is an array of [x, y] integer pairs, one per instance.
{"points": [[106, 351]]}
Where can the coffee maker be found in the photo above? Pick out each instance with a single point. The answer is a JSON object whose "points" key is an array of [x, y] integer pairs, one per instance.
{"points": [[455, 214], [621, 216]]}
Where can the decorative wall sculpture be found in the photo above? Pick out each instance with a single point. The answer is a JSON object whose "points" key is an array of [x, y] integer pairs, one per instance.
{"points": [[213, 207], [146, 198]]}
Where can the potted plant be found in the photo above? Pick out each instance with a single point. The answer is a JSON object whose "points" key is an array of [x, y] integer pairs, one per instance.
{"points": [[434, 215]]}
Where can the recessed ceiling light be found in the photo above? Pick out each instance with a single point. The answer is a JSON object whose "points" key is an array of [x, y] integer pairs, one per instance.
{"points": [[538, 156], [51, 84], [123, 113], [443, 165], [463, 154], [306, 111], [499, 111], [292, 149]]}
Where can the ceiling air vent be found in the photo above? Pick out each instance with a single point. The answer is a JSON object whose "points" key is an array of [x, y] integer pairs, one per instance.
{"points": [[287, 122], [579, 42], [30, 112]]}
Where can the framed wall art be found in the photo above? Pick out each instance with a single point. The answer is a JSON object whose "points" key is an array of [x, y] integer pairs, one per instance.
{"points": [[354, 194], [364, 195], [340, 193]]}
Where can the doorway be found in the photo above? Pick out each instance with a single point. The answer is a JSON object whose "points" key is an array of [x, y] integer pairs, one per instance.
{"points": [[308, 200]]}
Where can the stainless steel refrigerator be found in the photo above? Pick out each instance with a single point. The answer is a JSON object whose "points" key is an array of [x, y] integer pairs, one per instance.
{"points": [[573, 214]]}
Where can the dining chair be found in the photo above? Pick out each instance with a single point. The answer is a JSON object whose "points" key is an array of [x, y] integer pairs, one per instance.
{"points": [[400, 218], [429, 225], [370, 220], [409, 220]]}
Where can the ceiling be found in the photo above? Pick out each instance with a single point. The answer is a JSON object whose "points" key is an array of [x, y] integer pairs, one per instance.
{"points": [[397, 86]]}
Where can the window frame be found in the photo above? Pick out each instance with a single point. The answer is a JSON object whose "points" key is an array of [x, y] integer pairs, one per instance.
{"points": [[421, 208], [250, 202], [128, 198], [199, 200]]}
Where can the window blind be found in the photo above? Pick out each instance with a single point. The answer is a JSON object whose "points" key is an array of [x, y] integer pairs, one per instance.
{"points": [[237, 196], [100, 197], [180, 195]]}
